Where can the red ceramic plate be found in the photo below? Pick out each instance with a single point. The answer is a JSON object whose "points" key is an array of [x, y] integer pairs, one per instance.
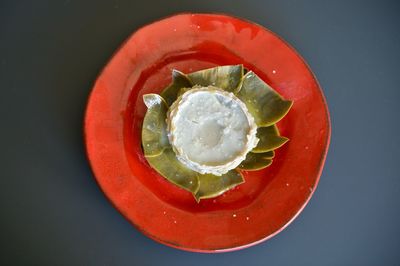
{"points": [[252, 212]]}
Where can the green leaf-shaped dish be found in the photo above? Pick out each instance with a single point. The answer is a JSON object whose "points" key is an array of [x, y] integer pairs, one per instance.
{"points": [[257, 161], [179, 81], [169, 167], [263, 102], [225, 77], [212, 186], [154, 128], [269, 139]]}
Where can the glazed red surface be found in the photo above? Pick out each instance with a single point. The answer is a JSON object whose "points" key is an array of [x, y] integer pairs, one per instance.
{"points": [[253, 211]]}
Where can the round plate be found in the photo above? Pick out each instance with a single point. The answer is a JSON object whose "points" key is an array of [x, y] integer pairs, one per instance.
{"points": [[252, 212]]}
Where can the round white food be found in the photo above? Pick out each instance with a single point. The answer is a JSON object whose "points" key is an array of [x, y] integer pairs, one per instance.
{"points": [[210, 130]]}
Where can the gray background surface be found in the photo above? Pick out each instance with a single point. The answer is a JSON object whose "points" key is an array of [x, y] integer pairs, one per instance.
{"points": [[53, 213]]}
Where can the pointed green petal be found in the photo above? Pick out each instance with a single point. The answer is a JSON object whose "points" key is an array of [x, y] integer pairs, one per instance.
{"points": [[169, 167], [268, 155], [157, 149], [179, 80], [154, 128], [263, 102], [225, 77], [212, 186], [269, 139], [257, 161]]}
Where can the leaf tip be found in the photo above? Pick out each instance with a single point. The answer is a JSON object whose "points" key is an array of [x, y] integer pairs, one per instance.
{"points": [[176, 73], [152, 99]]}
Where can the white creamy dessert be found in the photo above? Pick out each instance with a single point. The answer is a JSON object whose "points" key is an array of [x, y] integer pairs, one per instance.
{"points": [[210, 130]]}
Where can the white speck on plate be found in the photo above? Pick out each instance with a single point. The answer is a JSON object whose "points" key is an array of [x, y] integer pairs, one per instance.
{"points": [[234, 215], [287, 184], [247, 218], [274, 71], [165, 212]]}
